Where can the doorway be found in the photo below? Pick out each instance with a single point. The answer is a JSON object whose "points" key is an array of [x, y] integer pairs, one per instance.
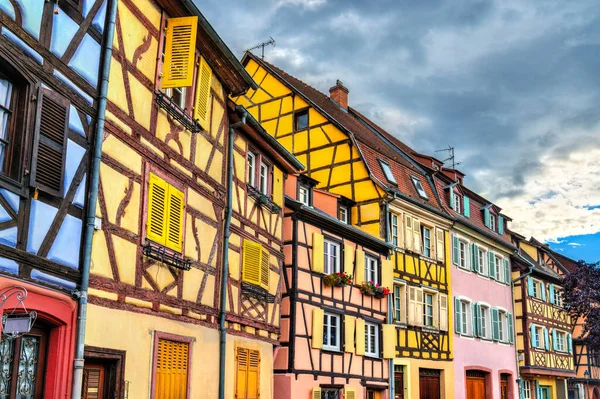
{"points": [[399, 384], [476, 384], [504, 386], [103, 374], [429, 384], [545, 393]]}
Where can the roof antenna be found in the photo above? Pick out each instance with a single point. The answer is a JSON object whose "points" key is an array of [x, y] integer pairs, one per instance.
{"points": [[450, 151], [270, 42]]}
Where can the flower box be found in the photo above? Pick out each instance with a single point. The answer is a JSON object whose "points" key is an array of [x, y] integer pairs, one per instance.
{"points": [[337, 279]]}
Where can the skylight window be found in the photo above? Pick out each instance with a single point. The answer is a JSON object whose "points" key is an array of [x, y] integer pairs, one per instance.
{"points": [[387, 171], [419, 187]]}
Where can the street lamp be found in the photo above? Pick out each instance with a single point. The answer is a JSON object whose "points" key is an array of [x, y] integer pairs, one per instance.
{"points": [[586, 375]]}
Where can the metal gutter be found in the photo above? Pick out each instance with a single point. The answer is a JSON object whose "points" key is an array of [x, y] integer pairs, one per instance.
{"points": [[225, 269], [78, 362], [220, 44]]}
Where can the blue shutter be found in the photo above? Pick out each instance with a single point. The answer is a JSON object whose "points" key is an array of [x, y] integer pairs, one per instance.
{"points": [[551, 293], [538, 390], [455, 250], [491, 265], [500, 224], [457, 316], [507, 276], [495, 324], [474, 319], [534, 341], [543, 288], [554, 338], [522, 389], [451, 191], [530, 286], [511, 332], [466, 207], [486, 216], [546, 339], [473, 258], [570, 343]]}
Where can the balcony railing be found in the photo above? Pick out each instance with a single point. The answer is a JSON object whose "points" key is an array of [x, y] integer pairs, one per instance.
{"points": [[179, 114]]}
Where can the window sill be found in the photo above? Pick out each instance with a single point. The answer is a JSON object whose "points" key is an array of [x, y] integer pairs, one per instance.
{"points": [[257, 292], [165, 255], [333, 351], [262, 199], [372, 356]]}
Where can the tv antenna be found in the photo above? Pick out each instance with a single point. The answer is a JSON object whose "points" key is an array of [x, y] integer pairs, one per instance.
{"points": [[270, 42], [450, 151]]}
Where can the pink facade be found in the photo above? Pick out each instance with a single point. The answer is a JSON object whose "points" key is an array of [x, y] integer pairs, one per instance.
{"points": [[492, 358]]}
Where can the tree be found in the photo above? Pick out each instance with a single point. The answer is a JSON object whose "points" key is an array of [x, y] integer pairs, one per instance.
{"points": [[582, 299]]}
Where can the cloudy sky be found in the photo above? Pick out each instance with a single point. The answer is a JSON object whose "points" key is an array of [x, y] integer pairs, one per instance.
{"points": [[513, 85]]}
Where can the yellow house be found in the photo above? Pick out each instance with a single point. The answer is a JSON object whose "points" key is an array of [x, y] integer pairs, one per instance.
{"points": [[168, 282], [383, 192]]}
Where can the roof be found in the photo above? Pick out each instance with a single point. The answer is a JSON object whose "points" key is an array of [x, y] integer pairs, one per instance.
{"points": [[568, 263], [537, 268], [367, 138]]}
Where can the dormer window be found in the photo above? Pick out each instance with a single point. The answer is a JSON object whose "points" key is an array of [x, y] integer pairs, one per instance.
{"points": [[456, 203], [304, 195], [387, 171], [419, 187], [343, 214], [492, 222]]}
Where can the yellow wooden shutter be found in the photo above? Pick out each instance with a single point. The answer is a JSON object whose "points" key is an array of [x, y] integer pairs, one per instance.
{"points": [[443, 317], [387, 273], [251, 262], [389, 341], [241, 384], [360, 337], [348, 259], [317, 253], [412, 305], [349, 333], [317, 328], [253, 383], [265, 269], [359, 273], [174, 222], [178, 69], [278, 186], [439, 238], [417, 235], [408, 232], [316, 393], [202, 97], [419, 307], [349, 393], [171, 369], [157, 210]]}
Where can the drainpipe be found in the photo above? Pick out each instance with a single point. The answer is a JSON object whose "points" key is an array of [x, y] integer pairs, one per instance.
{"points": [[225, 273], [388, 238], [93, 199], [512, 287]]}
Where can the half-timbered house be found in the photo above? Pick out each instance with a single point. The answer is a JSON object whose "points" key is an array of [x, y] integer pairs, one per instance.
{"points": [[335, 335], [180, 163], [383, 192], [543, 326], [50, 69]]}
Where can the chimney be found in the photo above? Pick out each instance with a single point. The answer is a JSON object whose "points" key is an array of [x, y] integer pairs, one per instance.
{"points": [[339, 94]]}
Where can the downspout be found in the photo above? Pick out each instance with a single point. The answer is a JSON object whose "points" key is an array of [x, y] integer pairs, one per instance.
{"points": [[92, 201], [388, 238], [512, 288], [225, 271]]}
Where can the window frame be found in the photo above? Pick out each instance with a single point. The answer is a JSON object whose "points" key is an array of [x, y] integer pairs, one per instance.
{"points": [[482, 264], [158, 335], [399, 313], [369, 258], [499, 267], [558, 297], [395, 237], [486, 322], [387, 171], [431, 247], [492, 222], [463, 244], [419, 187], [563, 340], [434, 302], [297, 115], [327, 316], [343, 213], [372, 338], [327, 244], [457, 199], [502, 325], [255, 180], [539, 334], [526, 389]]}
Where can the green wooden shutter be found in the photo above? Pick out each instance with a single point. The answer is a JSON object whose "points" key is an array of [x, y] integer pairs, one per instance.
{"points": [[534, 341], [479, 321], [455, 250], [457, 316], [500, 224], [511, 333], [506, 271], [538, 390], [554, 338], [486, 217], [495, 324], [546, 339], [473, 257], [530, 286], [491, 265], [474, 314], [543, 288], [551, 293], [466, 207]]}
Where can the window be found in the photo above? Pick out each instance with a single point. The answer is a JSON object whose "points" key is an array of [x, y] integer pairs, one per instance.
{"points": [[492, 222], [177, 94], [23, 359], [371, 339], [256, 267], [394, 228], [165, 214], [387, 171], [427, 247], [343, 214], [536, 288], [464, 317], [556, 296], [526, 389], [330, 394], [301, 120], [419, 187], [499, 269], [171, 370], [304, 195], [12, 113], [371, 269], [560, 339], [502, 327], [481, 264], [456, 203], [485, 322], [428, 307], [251, 169], [332, 257], [247, 374], [331, 332], [399, 306], [462, 254], [264, 175]]}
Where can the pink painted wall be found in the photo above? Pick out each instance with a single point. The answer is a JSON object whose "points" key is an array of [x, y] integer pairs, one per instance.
{"points": [[474, 352]]}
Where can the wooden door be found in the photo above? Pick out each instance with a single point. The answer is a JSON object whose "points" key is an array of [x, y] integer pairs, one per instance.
{"points": [[504, 386], [372, 394], [545, 391], [93, 381], [399, 386], [429, 384], [475, 387]]}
